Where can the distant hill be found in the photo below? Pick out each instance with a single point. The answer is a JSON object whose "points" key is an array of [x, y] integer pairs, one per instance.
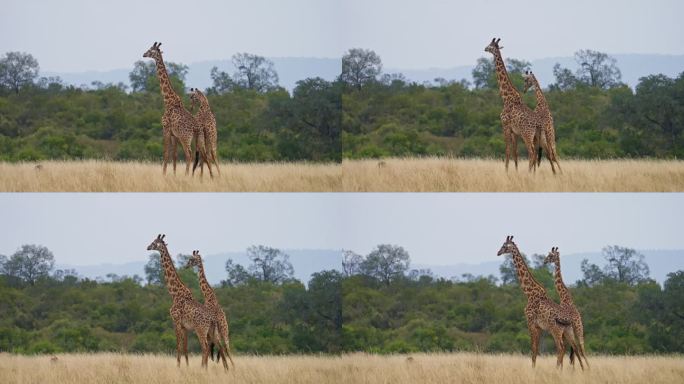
{"points": [[632, 66], [660, 263], [290, 70], [304, 261]]}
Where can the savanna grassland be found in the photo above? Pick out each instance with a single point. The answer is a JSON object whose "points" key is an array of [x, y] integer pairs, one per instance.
{"points": [[429, 174], [117, 176], [444, 174], [350, 368]]}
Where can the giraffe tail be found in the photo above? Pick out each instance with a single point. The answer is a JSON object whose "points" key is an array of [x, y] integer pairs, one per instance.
{"points": [[197, 161], [539, 155]]}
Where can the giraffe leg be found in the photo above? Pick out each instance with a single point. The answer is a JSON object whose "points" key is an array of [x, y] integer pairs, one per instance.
{"points": [[560, 346], [507, 143], [166, 145], [529, 143], [226, 342], [579, 331], [572, 340], [179, 340], [535, 332], [188, 158], [514, 148], [185, 346], [203, 152], [221, 349], [215, 159], [547, 148], [202, 336], [174, 152]]}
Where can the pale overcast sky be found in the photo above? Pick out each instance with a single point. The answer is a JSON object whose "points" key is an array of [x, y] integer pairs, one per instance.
{"points": [[434, 228], [78, 35]]}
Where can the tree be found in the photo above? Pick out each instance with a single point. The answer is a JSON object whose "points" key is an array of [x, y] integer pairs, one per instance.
{"points": [[673, 291], [351, 263], [318, 104], [17, 70], [154, 273], [595, 69], [237, 274], [143, 77], [30, 263], [360, 67], [325, 297], [625, 265], [484, 74], [592, 274], [269, 264], [254, 72], [386, 263], [658, 101], [222, 82], [565, 79]]}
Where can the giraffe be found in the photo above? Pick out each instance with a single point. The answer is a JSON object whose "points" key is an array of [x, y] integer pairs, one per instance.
{"points": [[516, 117], [212, 303], [178, 124], [186, 313], [541, 312], [206, 118], [547, 139], [566, 301]]}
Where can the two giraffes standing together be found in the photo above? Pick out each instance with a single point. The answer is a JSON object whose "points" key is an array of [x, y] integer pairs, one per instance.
{"points": [[207, 320], [517, 119], [563, 321], [180, 126]]}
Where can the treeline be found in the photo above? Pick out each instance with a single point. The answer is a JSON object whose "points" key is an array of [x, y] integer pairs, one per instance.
{"points": [[377, 303], [389, 308], [46, 310], [595, 114], [257, 120]]}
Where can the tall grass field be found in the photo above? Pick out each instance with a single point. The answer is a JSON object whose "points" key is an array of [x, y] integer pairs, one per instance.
{"points": [[489, 175], [347, 369], [388, 175], [112, 176]]}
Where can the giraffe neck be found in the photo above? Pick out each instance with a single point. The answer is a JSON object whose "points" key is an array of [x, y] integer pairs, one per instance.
{"points": [[528, 283], [506, 89], [563, 292], [173, 282], [204, 105], [207, 290], [170, 97], [542, 105]]}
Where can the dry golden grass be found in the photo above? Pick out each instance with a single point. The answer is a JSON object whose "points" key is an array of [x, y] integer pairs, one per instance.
{"points": [[354, 368], [389, 175], [111, 176], [489, 175]]}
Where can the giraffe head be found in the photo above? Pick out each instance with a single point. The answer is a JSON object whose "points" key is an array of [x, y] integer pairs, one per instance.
{"points": [[507, 246], [194, 260], [154, 52], [197, 97], [158, 244], [530, 80], [553, 256], [493, 47]]}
